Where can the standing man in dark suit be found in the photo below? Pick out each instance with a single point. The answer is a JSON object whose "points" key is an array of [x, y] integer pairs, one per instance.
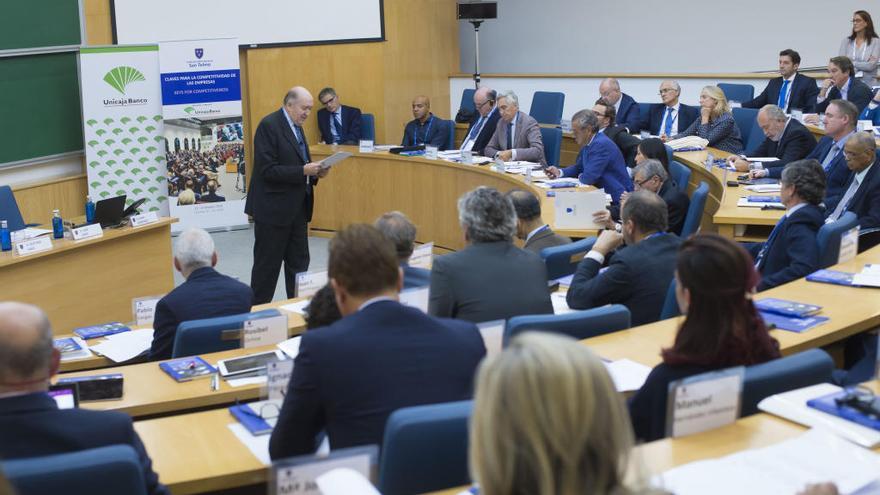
{"points": [[399, 230], [638, 275], [791, 251], [790, 91], [786, 139], [862, 195], [517, 135], [490, 279], [339, 124], [626, 142], [425, 128], [484, 123], [626, 107], [843, 84], [31, 425], [205, 294], [381, 356], [280, 198], [530, 227], [672, 116]]}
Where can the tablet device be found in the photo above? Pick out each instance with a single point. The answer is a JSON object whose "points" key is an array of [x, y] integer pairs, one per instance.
{"points": [[253, 363]]}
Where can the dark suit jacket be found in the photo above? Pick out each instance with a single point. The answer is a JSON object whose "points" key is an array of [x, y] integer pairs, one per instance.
{"points": [[626, 143], [859, 94], [489, 281], [794, 252], [211, 198], [647, 408], [349, 377], [796, 143], [351, 125], [638, 277], [278, 188], [804, 91], [836, 176], [628, 113], [434, 132], [32, 426], [205, 294], [545, 238], [485, 133], [677, 204], [686, 116], [866, 202], [414, 277], [601, 164]]}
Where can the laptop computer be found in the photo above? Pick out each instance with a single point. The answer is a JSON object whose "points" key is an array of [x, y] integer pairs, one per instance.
{"points": [[108, 212]]}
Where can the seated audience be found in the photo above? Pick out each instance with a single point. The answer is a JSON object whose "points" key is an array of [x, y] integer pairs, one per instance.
{"points": [[862, 195], [211, 196], [205, 293], [399, 230], [548, 420], [425, 129], [715, 279], [862, 47], [625, 107], [192, 169], [517, 135], [31, 425], [671, 116], [530, 227], [652, 148], [791, 251], [790, 91], [381, 356], [186, 197], [490, 279], [599, 162], [626, 142], [638, 275], [842, 84], [338, 123], [716, 123], [322, 310], [786, 139], [484, 123]]}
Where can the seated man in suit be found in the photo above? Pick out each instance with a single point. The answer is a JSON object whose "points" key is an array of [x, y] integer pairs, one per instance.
{"points": [[672, 116], [638, 275], [485, 122], [205, 293], [625, 107], [338, 123], [490, 279], [862, 195], [790, 91], [517, 135], [31, 425], [626, 142], [530, 227], [791, 251], [599, 162], [786, 139], [842, 84], [211, 196], [425, 128], [399, 230], [651, 176], [381, 356]]}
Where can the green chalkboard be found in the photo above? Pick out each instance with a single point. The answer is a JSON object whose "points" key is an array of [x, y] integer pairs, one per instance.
{"points": [[39, 24], [39, 98]]}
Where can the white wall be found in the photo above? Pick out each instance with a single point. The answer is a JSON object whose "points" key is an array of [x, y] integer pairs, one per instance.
{"points": [[40, 172], [172, 131]]}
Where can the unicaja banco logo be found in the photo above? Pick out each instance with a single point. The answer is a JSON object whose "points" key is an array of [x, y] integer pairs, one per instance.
{"points": [[120, 77]]}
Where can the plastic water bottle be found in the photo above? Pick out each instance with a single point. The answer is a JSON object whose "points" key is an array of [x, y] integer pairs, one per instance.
{"points": [[710, 161], [57, 225], [90, 210], [5, 237]]}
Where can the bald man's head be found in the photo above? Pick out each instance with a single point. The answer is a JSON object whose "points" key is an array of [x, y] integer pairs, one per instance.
{"points": [[27, 357], [421, 107], [298, 104], [484, 100]]}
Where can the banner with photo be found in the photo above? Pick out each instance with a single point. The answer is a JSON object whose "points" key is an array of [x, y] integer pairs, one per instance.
{"points": [[201, 103], [122, 125]]}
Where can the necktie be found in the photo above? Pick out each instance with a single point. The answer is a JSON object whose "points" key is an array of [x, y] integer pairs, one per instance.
{"points": [[847, 197], [830, 157], [476, 129], [305, 154], [782, 91], [337, 124], [667, 129], [510, 135], [766, 247]]}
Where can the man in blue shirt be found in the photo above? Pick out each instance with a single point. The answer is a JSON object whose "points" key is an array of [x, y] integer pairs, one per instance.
{"points": [[425, 128]]}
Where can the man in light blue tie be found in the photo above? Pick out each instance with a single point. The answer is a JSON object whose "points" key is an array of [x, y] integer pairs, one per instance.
{"points": [[483, 126]]}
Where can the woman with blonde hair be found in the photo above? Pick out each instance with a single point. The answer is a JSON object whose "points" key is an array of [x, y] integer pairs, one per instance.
{"points": [[186, 197], [716, 122], [548, 421]]}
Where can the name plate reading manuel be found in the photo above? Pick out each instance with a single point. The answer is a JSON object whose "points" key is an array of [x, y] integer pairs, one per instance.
{"points": [[32, 246], [307, 283], [264, 331], [297, 475], [704, 402], [87, 232], [144, 219]]}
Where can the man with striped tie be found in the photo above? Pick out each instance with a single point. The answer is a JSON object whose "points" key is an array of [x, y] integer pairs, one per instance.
{"points": [[338, 123], [484, 123]]}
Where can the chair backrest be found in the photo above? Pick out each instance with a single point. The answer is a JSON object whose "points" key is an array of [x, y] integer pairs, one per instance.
{"points": [[408, 466], [547, 107], [368, 126], [102, 471], [746, 119], [213, 334], [450, 135], [780, 375], [578, 324], [644, 112], [695, 211], [669, 153], [737, 92], [467, 101], [868, 238], [670, 304], [563, 260], [9, 209], [681, 174], [552, 139], [829, 235]]}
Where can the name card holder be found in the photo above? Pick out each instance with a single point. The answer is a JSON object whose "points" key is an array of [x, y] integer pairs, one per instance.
{"points": [[366, 146], [278, 375], [849, 245], [704, 402], [144, 219], [308, 283], [87, 232], [422, 256], [33, 246], [431, 152], [143, 309], [264, 331], [297, 475]]}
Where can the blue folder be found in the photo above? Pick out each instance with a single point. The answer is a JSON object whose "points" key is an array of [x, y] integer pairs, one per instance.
{"points": [[826, 404]]}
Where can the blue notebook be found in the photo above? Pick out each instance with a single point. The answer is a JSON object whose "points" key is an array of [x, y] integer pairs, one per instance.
{"points": [[250, 419], [186, 369], [831, 277], [102, 330], [826, 404], [67, 345], [786, 308], [764, 199], [792, 324]]}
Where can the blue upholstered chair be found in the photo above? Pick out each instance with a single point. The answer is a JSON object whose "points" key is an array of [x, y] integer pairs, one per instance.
{"points": [[368, 126], [450, 135], [9, 209], [829, 236], [644, 112], [547, 107], [552, 139], [695, 211], [467, 101], [681, 174], [670, 304], [407, 466], [213, 334], [737, 92], [781, 375], [563, 260], [578, 324], [746, 120]]}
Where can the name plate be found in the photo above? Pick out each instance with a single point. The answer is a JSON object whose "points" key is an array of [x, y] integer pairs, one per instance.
{"points": [[307, 283], [704, 402], [144, 219], [417, 298], [297, 475], [431, 152], [87, 232], [467, 157], [264, 331], [278, 373], [365, 146], [849, 245], [144, 309], [864, 125], [493, 336], [35, 245], [422, 256]]}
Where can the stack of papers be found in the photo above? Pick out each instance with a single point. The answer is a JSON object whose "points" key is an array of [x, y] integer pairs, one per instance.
{"points": [[123, 346], [290, 346], [759, 202], [765, 188], [298, 307], [627, 375], [560, 305], [689, 143], [868, 277]]}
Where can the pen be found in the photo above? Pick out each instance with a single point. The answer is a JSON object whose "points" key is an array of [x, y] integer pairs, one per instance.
{"points": [[215, 382]]}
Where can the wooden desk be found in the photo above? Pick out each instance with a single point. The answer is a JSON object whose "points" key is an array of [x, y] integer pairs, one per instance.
{"points": [[92, 281], [851, 311]]}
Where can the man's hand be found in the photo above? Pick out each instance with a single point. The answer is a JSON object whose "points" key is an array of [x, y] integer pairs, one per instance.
{"points": [[738, 163], [312, 169], [603, 217], [553, 172], [757, 173], [608, 241], [323, 172], [505, 155]]}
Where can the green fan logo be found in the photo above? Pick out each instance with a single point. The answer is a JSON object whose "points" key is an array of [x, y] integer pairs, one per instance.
{"points": [[189, 110], [120, 77]]}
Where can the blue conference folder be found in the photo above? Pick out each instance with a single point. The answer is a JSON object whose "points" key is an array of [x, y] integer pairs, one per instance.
{"points": [[250, 419], [826, 404], [831, 277], [792, 323], [784, 307]]}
